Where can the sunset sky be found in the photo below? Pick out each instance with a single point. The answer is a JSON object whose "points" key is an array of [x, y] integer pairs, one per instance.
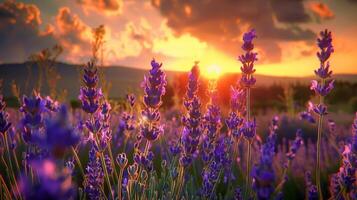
{"points": [[179, 32]]}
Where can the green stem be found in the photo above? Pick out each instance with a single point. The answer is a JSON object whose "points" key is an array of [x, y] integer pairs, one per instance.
{"points": [[112, 160], [247, 178], [3, 185], [106, 174], [318, 165], [16, 161], [78, 162], [318, 151], [12, 174], [120, 183]]}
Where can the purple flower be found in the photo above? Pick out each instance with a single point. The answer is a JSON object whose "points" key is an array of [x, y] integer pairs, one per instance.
{"points": [[51, 185], [320, 109], [131, 99], [94, 175], [295, 145], [312, 193], [248, 60], [325, 45], [307, 116], [192, 120], [320, 89], [263, 173], [238, 194], [59, 134], [248, 129], [324, 71], [89, 93], [122, 160], [234, 123], [154, 88], [248, 38], [154, 85], [32, 109]]}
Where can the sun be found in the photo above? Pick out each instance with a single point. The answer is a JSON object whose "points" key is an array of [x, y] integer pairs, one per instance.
{"points": [[212, 72]]}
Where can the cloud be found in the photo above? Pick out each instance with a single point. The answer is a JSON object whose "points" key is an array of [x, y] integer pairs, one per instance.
{"points": [[321, 10], [222, 22], [20, 33], [73, 34], [290, 11], [110, 7]]}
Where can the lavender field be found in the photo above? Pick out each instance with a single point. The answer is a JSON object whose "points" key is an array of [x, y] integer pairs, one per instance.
{"points": [[178, 100], [194, 149]]}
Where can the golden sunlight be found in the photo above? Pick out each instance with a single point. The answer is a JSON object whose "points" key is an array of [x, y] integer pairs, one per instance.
{"points": [[212, 72]]}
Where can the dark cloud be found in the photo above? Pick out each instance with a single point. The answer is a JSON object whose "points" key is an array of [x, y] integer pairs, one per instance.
{"points": [[221, 22], [111, 6], [290, 11], [20, 34]]}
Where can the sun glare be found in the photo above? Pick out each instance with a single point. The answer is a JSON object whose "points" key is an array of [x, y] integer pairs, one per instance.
{"points": [[212, 72]]}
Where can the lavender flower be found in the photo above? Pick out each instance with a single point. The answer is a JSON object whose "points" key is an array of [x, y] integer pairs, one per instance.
{"points": [[32, 109], [322, 88], [122, 160], [343, 182], [52, 184], [131, 99], [248, 60], [108, 164], [312, 193], [263, 173], [236, 119], [238, 194], [215, 149], [154, 88], [295, 145], [94, 176], [247, 81], [89, 93], [59, 135], [192, 121]]}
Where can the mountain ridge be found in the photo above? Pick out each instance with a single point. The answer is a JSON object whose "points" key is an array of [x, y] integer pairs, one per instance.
{"points": [[124, 79]]}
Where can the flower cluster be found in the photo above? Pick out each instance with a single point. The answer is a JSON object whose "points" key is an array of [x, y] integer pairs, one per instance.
{"points": [[192, 121], [89, 93], [95, 175], [312, 193], [263, 173], [53, 184], [248, 59], [294, 147], [154, 88], [324, 86], [34, 109], [59, 134], [236, 116], [343, 183]]}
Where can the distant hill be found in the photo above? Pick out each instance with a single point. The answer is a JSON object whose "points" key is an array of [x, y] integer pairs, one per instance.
{"points": [[123, 79]]}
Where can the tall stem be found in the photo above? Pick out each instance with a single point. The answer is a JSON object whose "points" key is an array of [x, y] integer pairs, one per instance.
{"points": [[120, 183], [247, 189], [78, 161], [318, 152]]}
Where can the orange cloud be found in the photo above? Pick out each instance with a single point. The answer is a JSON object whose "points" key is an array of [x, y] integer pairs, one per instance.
{"points": [[110, 7], [73, 34], [321, 10]]}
